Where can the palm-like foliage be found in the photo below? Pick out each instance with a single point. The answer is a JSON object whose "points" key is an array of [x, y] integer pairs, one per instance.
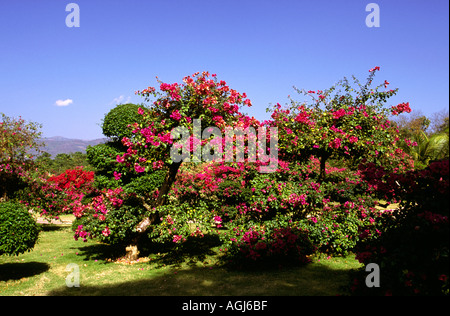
{"points": [[430, 148]]}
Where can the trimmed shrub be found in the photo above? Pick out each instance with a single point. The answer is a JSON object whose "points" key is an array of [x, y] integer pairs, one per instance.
{"points": [[115, 124], [18, 230]]}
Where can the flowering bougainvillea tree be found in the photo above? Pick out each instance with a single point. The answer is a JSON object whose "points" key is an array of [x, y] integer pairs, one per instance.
{"points": [[153, 144], [201, 96], [340, 122], [18, 140], [276, 211]]}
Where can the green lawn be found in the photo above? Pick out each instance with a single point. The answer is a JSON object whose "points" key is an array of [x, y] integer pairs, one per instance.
{"points": [[43, 272]]}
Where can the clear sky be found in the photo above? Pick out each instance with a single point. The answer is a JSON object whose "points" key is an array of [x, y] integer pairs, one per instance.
{"points": [[68, 78]]}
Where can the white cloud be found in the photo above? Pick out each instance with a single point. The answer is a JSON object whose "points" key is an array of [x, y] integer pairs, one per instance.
{"points": [[120, 100], [63, 102]]}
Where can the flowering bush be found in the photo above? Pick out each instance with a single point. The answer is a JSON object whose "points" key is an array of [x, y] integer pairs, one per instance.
{"points": [[54, 195], [18, 139], [317, 196], [180, 222], [271, 244], [110, 216], [201, 96], [336, 228], [74, 180], [334, 211], [411, 244]]}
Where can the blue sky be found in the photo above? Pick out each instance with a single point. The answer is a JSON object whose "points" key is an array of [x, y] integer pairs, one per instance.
{"points": [[263, 48]]}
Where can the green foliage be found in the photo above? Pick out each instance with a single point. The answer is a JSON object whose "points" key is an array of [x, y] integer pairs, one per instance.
{"points": [[179, 222], [18, 229], [429, 149], [146, 184], [62, 162], [103, 157], [421, 144], [116, 121]]}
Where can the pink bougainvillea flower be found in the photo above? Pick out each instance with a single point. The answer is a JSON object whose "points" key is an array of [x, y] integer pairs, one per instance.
{"points": [[139, 168], [400, 108], [443, 277], [177, 238], [176, 115], [120, 159], [336, 143], [117, 175], [106, 232], [338, 114]]}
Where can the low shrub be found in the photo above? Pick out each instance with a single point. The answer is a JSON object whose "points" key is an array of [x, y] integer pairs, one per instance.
{"points": [[18, 230], [271, 245], [336, 228], [111, 216]]}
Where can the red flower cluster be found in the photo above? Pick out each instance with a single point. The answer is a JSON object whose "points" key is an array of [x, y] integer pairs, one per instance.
{"points": [[339, 113], [336, 143], [74, 179], [400, 108]]}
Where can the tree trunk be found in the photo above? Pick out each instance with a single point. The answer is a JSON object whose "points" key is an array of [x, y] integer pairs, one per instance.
{"points": [[162, 196], [322, 173], [132, 250]]}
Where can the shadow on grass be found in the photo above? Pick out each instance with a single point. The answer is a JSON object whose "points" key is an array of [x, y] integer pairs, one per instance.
{"points": [[192, 251], [17, 271], [99, 251], [311, 280]]}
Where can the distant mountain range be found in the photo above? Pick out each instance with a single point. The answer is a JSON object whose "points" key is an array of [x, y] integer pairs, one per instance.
{"points": [[61, 145]]}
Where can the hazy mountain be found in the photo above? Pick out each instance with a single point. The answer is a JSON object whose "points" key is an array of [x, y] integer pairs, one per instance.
{"points": [[61, 145]]}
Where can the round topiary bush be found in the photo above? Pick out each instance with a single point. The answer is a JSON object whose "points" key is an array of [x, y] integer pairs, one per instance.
{"points": [[18, 230], [115, 124]]}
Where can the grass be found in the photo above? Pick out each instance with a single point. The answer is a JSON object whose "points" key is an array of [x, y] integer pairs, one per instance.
{"points": [[42, 271]]}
